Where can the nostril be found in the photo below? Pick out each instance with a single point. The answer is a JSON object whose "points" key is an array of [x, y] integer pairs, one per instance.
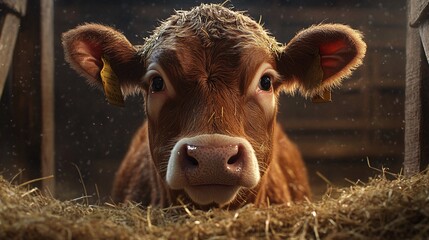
{"points": [[235, 158], [190, 157], [192, 161]]}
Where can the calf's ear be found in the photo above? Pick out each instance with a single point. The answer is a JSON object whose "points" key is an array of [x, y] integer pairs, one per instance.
{"points": [[89, 47], [319, 57]]}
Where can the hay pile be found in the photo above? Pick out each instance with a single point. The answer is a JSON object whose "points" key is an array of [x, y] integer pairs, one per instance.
{"points": [[382, 209]]}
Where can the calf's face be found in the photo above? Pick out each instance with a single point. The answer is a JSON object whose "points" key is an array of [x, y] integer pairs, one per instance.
{"points": [[211, 111], [210, 79]]}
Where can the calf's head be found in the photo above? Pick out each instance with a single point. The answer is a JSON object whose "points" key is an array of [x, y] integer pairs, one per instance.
{"points": [[210, 79]]}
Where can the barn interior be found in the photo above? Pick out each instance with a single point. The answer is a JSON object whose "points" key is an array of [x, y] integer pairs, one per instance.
{"points": [[342, 142]]}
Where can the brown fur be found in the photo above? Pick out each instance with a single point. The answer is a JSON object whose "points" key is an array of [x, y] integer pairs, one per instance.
{"points": [[210, 55]]}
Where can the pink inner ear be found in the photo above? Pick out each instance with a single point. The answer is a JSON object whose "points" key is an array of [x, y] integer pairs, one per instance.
{"points": [[332, 57], [332, 47], [88, 56]]}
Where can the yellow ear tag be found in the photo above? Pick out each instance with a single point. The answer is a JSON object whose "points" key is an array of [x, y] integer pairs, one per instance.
{"points": [[112, 88], [323, 97]]}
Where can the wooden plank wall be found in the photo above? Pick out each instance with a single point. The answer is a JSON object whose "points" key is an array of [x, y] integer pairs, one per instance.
{"points": [[30, 87], [365, 118]]}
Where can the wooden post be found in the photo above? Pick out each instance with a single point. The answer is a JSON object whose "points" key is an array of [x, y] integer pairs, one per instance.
{"points": [[412, 99], [8, 34], [25, 94], [47, 88], [424, 96], [416, 89]]}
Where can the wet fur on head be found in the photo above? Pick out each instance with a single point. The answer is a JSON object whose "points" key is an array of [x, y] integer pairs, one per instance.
{"points": [[211, 22]]}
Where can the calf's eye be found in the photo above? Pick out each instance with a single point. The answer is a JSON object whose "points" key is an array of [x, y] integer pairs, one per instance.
{"points": [[265, 83], [157, 84]]}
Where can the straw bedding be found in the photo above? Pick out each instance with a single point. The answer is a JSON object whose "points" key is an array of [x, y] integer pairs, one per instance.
{"points": [[380, 209]]}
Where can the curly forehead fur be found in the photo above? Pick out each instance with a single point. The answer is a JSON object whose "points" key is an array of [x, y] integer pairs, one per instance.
{"points": [[211, 23]]}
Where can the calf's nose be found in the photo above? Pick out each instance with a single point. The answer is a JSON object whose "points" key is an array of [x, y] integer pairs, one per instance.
{"points": [[207, 165], [212, 159]]}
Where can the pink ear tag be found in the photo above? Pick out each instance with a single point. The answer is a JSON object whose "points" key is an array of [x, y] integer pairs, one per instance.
{"points": [[111, 85], [322, 97]]}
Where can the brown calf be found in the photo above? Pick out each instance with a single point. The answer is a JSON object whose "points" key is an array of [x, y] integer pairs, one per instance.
{"points": [[211, 78]]}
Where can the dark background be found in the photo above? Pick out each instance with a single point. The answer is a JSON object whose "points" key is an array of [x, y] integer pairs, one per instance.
{"points": [[365, 120]]}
